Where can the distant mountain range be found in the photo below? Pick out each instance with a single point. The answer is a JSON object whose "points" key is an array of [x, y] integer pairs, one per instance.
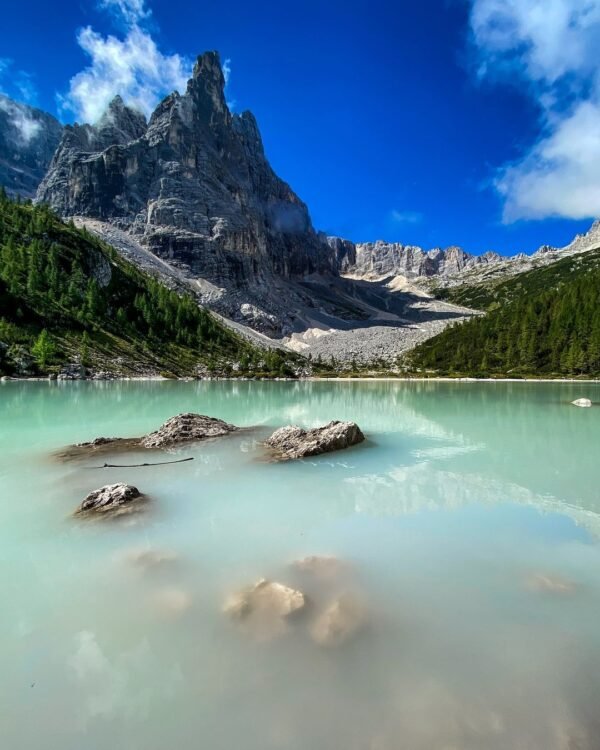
{"points": [[189, 196]]}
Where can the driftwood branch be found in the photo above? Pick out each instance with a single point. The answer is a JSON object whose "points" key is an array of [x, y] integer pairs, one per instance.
{"points": [[135, 466]]}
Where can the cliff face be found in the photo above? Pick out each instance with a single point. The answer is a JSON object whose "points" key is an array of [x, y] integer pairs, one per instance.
{"points": [[380, 259], [28, 139], [193, 185]]}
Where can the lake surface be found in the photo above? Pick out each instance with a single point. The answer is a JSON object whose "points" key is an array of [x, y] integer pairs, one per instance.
{"points": [[469, 523]]}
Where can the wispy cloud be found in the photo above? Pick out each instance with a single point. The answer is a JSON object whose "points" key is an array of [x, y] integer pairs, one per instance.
{"points": [[550, 48], [405, 217], [130, 11], [133, 66], [24, 127]]}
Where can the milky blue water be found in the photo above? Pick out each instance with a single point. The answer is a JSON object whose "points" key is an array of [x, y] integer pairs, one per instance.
{"points": [[469, 523]]}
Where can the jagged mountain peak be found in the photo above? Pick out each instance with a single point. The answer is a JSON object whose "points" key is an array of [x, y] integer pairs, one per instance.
{"points": [[120, 123], [193, 185]]}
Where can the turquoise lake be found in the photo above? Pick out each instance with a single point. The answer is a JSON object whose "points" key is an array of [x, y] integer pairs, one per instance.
{"points": [[469, 523]]}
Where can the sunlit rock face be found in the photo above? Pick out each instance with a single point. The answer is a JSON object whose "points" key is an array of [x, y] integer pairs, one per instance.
{"points": [[28, 139], [193, 185]]}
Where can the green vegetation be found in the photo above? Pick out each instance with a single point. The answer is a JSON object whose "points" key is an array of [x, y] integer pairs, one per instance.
{"points": [[67, 296], [543, 322], [489, 295]]}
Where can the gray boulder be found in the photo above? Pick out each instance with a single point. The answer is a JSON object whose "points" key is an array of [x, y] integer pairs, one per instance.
{"points": [[294, 442], [185, 428], [112, 499]]}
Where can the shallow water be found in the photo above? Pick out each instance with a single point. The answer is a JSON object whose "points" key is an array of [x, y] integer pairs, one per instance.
{"points": [[470, 522]]}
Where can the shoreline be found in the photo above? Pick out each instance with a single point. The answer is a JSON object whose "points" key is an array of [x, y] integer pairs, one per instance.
{"points": [[311, 379]]}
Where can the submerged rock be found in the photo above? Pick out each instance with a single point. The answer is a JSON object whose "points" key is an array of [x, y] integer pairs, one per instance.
{"points": [[340, 621], [265, 607], [172, 602], [185, 428], [550, 584], [582, 402], [147, 558], [113, 499], [322, 566], [294, 442]]}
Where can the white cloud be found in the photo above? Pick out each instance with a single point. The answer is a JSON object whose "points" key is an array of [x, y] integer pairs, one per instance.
{"points": [[227, 70], [132, 66], [131, 11], [550, 46], [405, 217], [25, 127]]}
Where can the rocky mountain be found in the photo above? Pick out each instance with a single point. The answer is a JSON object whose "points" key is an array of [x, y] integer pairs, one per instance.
{"points": [[193, 185], [439, 268], [190, 197], [28, 140]]}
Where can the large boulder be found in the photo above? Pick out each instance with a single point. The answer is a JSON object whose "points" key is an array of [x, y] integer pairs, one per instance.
{"points": [[294, 442], [185, 428], [344, 617], [585, 402], [112, 499]]}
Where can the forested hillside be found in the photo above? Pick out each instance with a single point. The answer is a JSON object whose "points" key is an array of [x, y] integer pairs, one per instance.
{"points": [[65, 295], [544, 322], [491, 294]]}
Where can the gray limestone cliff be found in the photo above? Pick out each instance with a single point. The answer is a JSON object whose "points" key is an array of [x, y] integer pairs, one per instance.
{"points": [[192, 185]]}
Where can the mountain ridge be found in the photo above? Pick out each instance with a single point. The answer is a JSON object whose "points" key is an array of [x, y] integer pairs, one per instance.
{"points": [[189, 195]]}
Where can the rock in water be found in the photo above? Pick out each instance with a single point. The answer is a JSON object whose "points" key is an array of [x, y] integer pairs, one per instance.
{"points": [[147, 558], [268, 598], [582, 402], [322, 566], [172, 602], [185, 428], [294, 442], [548, 583], [341, 620], [113, 499]]}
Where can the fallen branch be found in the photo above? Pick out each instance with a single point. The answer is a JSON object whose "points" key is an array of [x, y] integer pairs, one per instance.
{"points": [[135, 466]]}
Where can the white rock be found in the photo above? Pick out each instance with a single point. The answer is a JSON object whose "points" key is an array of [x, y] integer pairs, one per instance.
{"points": [[585, 402]]}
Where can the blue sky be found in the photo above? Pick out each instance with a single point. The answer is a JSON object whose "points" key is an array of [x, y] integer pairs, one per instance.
{"points": [[469, 122]]}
